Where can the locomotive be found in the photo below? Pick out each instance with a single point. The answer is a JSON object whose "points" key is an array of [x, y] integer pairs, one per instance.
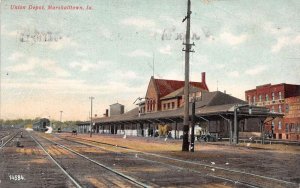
{"points": [[41, 125]]}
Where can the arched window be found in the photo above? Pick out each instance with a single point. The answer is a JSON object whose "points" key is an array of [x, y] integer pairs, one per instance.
{"points": [[279, 109], [260, 98], [279, 94]]}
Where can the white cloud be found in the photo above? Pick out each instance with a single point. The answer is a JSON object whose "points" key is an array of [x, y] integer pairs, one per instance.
{"points": [[199, 60], [52, 66], [65, 42], [114, 87], [15, 56], [139, 53], [126, 75], [233, 40], [54, 84], [165, 50], [5, 32], [85, 65], [234, 74], [219, 66], [33, 63], [175, 74], [140, 23], [256, 70], [285, 41], [28, 65]]}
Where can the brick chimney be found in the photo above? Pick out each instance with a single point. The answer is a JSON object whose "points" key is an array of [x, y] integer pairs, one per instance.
{"points": [[203, 78], [204, 81], [106, 113]]}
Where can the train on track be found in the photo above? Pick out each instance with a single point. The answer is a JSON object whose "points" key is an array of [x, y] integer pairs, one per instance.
{"points": [[41, 125]]}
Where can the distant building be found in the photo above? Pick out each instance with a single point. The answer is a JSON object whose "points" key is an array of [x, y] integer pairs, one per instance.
{"points": [[168, 94], [292, 118], [116, 109], [279, 98]]}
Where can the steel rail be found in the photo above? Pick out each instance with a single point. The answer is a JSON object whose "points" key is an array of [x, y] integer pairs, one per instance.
{"points": [[195, 163], [2, 145], [102, 165], [174, 166], [57, 164]]}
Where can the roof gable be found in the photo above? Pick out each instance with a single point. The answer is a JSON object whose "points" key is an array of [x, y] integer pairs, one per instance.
{"points": [[151, 86], [180, 92], [165, 87], [220, 98]]}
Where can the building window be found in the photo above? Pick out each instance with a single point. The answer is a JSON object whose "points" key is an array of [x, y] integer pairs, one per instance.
{"points": [[254, 99], [279, 94], [267, 97], [286, 127], [279, 125], [279, 109], [173, 105], [260, 98], [292, 127], [287, 108], [273, 96], [164, 106], [150, 105], [168, 105]]}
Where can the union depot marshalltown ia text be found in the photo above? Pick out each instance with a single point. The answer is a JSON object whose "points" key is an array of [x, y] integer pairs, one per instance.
{"points": [[49, 7]]}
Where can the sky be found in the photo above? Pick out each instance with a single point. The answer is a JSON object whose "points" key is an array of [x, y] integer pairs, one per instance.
{"points": [[54, 60]]}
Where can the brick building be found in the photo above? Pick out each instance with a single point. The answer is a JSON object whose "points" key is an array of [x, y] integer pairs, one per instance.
{"points": [[278, 98], [292, 118], [168, 94]]}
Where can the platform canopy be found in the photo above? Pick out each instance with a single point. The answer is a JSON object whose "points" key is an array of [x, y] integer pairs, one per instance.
{"points": [[211, 106]]}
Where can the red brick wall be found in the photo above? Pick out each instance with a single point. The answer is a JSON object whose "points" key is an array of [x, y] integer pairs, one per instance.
{"points": [[152, 97], [286, 90], [292, 117], [168, 104]]}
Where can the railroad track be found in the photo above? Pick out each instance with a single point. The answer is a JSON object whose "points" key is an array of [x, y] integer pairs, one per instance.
{"points": [[76, 182], [166, 163], [26, 165], [233, 175], [6, 139]]}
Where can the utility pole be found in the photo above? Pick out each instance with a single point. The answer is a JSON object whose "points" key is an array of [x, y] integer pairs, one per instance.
{"points": [[185, 142], [61, 115], [91, 124]]}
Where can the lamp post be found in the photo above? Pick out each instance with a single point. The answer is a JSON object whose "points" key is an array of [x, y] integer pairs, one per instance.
{"points": [[91, 98], [61, 115], [235, 131]]}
